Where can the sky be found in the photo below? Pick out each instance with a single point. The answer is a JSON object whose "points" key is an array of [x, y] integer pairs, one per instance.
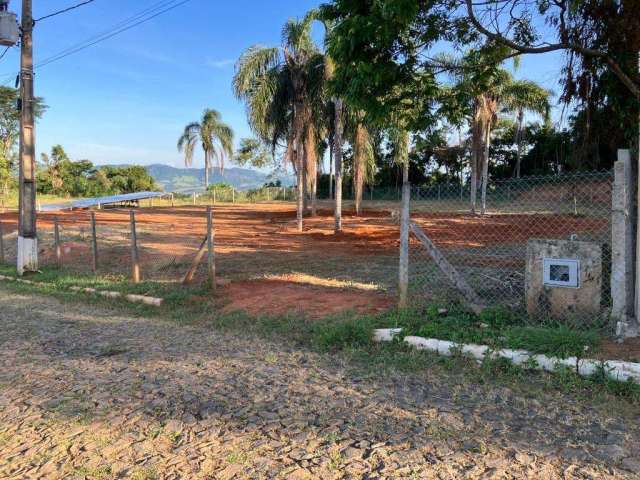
{"points": [[126, 100]]}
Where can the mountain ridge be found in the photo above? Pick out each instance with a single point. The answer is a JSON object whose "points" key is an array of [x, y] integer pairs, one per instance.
{"points": [[188, 180]]}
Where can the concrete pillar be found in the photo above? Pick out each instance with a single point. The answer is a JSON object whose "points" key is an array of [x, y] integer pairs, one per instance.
{"points": [[623, 248]]}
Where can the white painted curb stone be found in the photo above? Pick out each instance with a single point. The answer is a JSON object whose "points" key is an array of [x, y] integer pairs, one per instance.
{"points": [[618, 370], [154, 301]]}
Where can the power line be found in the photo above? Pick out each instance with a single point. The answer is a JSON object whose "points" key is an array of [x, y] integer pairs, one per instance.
{"points": [[4, 52], [124, 26], [60, 12], [139, 18]]}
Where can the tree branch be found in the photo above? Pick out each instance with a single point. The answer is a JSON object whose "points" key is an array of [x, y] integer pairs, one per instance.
{"points": [[587, 52]]}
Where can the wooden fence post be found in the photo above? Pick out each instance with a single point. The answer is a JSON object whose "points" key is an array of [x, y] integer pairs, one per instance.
{"points": [[1, 243], [233, 195], [135, 264], [94, 242], [403, 285], [56, 240], [214, 195], [172, 201], [194, 198], [211, 261]]}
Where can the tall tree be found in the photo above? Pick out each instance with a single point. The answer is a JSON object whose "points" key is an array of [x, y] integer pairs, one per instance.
{"points": [[280, 87], [525, 96], [215, 137], [10, 131]]}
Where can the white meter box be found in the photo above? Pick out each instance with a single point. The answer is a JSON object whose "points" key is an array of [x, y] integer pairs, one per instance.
{"points": [[561, 272]]}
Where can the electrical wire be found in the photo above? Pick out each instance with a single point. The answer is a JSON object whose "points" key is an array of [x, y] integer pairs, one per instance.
{"points": [[4, 52], [60, 12], [138, 19]]}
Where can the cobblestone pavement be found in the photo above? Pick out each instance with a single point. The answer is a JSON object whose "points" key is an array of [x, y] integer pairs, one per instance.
{"points": [[89, 393]]}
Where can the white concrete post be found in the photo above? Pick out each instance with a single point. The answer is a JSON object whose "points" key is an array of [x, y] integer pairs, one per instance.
{"points": [[622, 247]]}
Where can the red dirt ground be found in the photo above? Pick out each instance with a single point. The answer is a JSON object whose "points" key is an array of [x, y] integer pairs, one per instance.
{"points": [[276, 297], [271, 228]]}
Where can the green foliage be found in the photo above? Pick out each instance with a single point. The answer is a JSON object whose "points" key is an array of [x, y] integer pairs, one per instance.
{"points": [[220, 186], [58, 175], [378, 48], [10, 131], [253, 153]]}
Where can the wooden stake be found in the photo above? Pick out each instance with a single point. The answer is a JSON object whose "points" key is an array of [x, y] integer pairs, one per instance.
{"points": [[211, 263], [94, 242], [56, 239], [473, 301], [188, 278], [135, 263]]}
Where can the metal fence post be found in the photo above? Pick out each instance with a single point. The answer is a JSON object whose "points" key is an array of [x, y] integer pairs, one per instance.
{"points": [[56, 240], [211, 262], [403, 285], [135, 264], [1, 243], [94, 242]]}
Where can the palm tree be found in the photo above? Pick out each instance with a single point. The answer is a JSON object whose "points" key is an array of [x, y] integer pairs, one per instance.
{"points": [[364, 165], [215, 137], [486, 90], [526, 96], [280, 87]]}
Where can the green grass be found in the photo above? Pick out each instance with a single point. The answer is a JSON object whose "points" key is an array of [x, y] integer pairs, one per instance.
{"points": [[497, 328]]}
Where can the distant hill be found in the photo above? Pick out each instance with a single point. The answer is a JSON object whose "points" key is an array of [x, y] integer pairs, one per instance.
{"points": [[192, 179]]}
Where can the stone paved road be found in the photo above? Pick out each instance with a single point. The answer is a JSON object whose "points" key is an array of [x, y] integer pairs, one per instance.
{"points": [[89, 393]]}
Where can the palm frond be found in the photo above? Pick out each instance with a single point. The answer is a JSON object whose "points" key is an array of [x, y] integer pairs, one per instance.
{"points": [[253, 64]]}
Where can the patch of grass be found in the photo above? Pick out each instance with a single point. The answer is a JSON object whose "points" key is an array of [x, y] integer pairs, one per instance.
{"points": [[237, 457], [561, 341], [498, 329], [145, 474], [103, 472]]}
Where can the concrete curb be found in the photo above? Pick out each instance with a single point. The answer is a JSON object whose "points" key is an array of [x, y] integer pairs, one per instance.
{"points": [[154, 301], [616, 369]]}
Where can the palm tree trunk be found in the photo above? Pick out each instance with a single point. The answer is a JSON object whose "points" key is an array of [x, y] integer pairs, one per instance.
{"points": [[485, 166], [519, 138], [331, 171], [337, 141], [310, 149], [359, 167], [300, 182], [206, 170], [298, 125], [305, 189], [475, 160]]}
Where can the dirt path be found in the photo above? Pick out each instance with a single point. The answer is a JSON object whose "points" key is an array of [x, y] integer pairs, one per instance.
{"points": [[89, 393]]}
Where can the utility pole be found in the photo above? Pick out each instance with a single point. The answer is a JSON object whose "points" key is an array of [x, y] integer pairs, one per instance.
{"points": [[27, 233]]}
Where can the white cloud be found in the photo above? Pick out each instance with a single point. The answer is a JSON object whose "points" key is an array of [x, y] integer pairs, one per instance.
{"points": [[221, 64]]}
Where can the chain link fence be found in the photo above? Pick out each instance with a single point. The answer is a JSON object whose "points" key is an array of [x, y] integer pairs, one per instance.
{"points": [[528, 217]]}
